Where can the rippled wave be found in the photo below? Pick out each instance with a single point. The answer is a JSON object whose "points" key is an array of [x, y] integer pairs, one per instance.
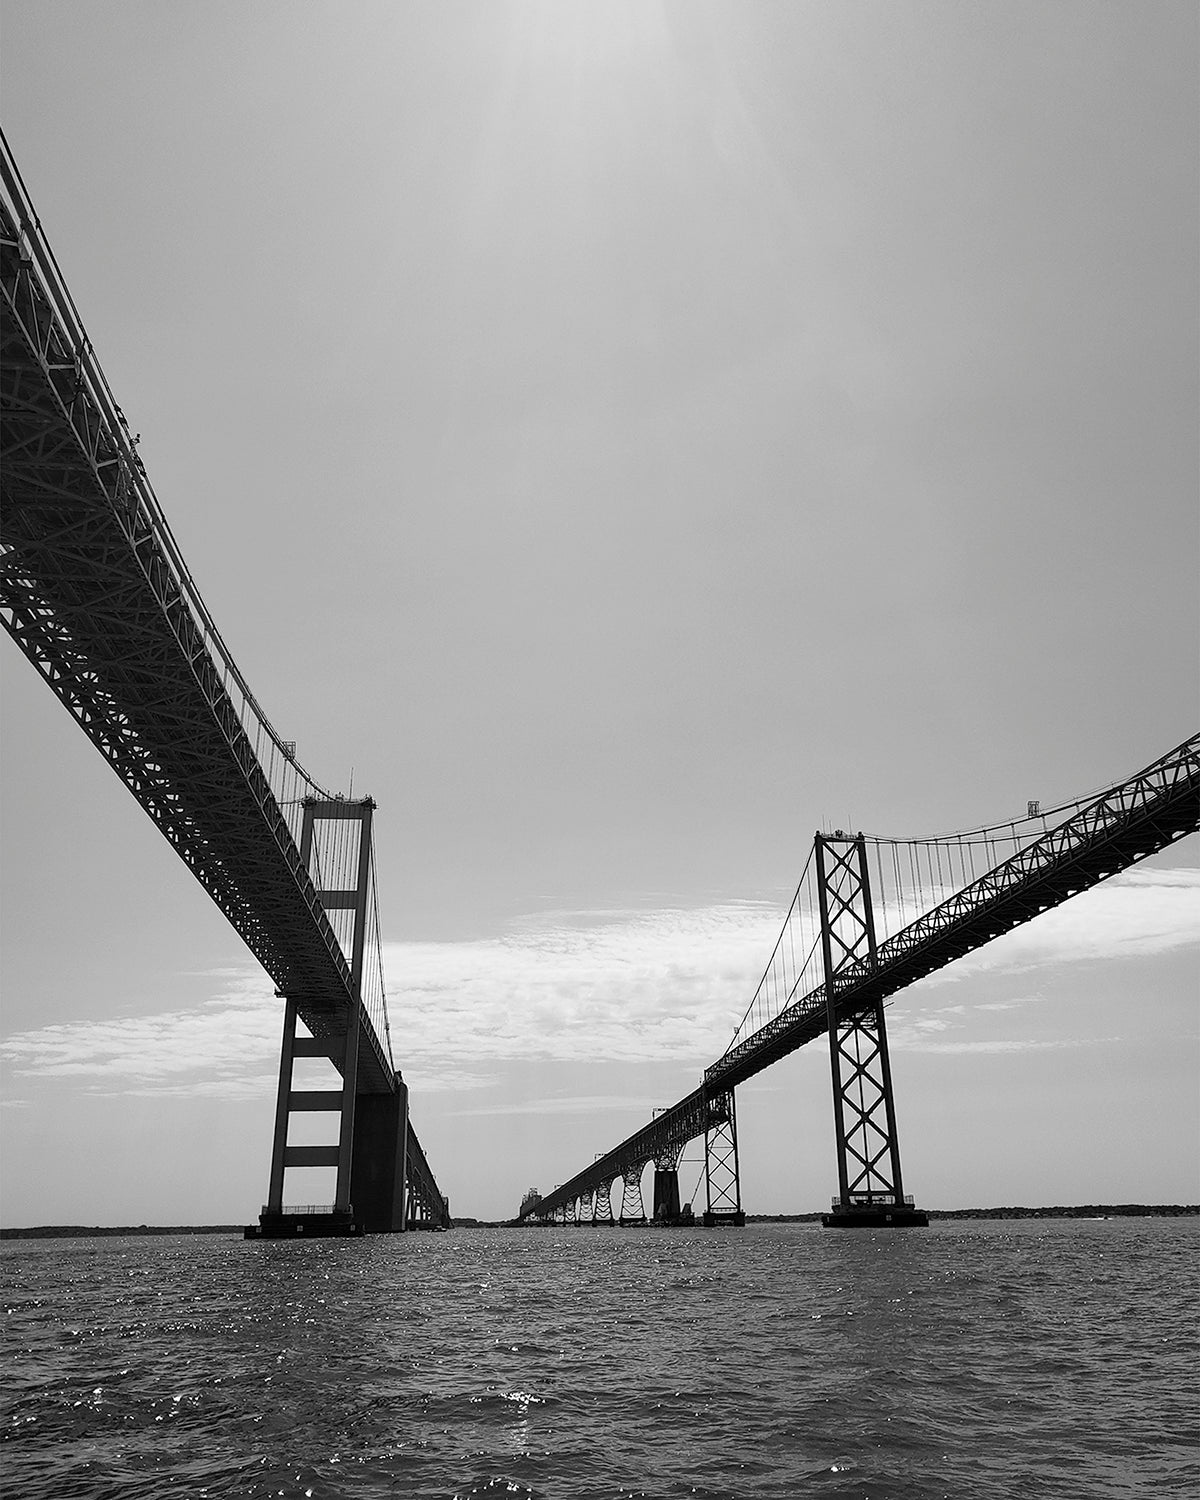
{"points": [[969, 1359]]}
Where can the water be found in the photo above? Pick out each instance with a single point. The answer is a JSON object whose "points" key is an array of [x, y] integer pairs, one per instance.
{"points": [[965, 1360]]}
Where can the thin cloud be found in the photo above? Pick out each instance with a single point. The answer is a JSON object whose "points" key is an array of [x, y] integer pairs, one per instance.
{"points": [[1012, 1044], [581, 986], [607, 986], [225, 1048], [565, 1105], [618, 987]]}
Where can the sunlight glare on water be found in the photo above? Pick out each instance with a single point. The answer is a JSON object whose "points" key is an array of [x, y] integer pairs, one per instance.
{"points": [[986, 1359]]}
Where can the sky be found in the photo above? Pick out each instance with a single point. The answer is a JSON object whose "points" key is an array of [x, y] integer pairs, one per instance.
{"points": [[625, 439]]}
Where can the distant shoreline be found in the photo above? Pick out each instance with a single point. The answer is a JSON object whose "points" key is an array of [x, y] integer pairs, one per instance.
{"points": [[1059, 1211], [1077, 1211]]}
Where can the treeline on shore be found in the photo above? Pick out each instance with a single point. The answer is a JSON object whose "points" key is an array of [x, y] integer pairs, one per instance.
{"points": [[1078, 1211], [1059, 1211], [105, 1231]]}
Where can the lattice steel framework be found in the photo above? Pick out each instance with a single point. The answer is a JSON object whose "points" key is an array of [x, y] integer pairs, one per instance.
{"points": [[667, 1160], [602, 1212], [722, 1181], [633, 1209], [868, 1151]]}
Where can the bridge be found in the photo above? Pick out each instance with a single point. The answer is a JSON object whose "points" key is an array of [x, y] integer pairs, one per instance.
{"points": [[96, 594], [94, 591], [871, 916]]}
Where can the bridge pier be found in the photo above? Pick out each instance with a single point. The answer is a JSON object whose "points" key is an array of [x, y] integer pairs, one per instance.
{"points": [[379, 1177], [372, 1191], [633, 1210], [666, 1194], [722, 1182], [602, 1204]]}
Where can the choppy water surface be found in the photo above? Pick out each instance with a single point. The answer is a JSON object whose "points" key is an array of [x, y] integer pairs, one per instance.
{"points": [[969, 1359]]}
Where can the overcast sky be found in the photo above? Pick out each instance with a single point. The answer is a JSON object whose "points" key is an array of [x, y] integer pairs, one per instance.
{"points": [[627, 437]]}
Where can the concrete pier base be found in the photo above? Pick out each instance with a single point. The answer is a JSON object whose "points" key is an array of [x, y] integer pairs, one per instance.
{"points": [[734, 1219], [378, 1174], [666, 1194], [876, 1216], [303, 1226]]}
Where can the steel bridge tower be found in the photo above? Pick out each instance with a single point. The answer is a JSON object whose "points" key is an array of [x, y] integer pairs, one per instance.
{"points": [[870, 1186], [370, 1153]]}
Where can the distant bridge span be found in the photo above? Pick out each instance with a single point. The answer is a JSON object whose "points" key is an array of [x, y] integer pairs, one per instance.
{"points": [[1130, 821]]}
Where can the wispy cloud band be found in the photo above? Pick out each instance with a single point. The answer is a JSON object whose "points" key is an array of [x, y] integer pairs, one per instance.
{"points": [[618, 987]]}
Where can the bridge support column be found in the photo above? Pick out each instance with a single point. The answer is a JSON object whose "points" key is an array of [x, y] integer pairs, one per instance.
{"points": [[870, 1187], [379, 1170], [722, 1183], [602, 1204], [666, 1194], [667, 1207], [370, 1154], [633, 1210]]}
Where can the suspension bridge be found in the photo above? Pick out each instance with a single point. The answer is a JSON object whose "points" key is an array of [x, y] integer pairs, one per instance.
{"points": [[94, 591], [871, 916]]}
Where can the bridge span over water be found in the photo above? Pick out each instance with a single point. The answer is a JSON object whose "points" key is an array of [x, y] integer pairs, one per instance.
{"points": [[871, 916], [94, 591]]}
